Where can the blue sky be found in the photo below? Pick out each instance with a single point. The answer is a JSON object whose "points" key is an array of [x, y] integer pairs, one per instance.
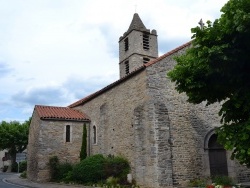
{"points": [[54, 52]]}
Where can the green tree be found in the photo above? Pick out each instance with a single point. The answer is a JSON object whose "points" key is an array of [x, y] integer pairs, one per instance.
{"points": [[83, 152], [216, 68], [14, 137]]}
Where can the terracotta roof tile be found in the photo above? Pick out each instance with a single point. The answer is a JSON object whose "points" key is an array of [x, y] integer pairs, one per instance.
{"points": [[90, 97], [60, 113]]}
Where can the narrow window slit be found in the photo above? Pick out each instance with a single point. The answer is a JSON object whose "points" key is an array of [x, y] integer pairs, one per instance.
{"points": [[127, 67], [146, 60], [126, 44], [145, 38], [68, 133], [94, 134]]}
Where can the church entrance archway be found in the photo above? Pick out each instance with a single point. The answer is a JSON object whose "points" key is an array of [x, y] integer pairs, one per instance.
{"points": [[217, 157]]}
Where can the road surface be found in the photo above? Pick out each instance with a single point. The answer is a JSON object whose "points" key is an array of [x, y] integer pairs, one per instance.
{"points": [[4, 184]]}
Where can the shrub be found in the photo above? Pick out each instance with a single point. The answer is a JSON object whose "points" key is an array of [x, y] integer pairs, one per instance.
{"points": [[63, 171], [24, 174], [222, 180], [53, 164], [98, 168], [117, 167], [90, 169], [197, 183], [22, 166], [14, 167], [68, 177], [60, 171], [5, 168], [111, 181]]}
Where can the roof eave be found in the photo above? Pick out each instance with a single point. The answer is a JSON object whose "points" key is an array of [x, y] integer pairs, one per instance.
{"points": [[63, 119]]}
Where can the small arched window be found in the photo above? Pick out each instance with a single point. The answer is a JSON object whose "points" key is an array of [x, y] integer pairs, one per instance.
{"points": [[94, 134], [68, 133]]}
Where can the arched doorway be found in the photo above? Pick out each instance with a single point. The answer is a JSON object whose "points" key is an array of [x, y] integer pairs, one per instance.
{"points": [[217, 157]]}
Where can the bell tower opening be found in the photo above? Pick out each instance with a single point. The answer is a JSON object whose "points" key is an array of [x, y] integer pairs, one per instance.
{"points": [[138, 45]]}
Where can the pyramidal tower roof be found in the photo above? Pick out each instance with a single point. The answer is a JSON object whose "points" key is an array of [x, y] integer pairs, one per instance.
{"points": [[136, 24]]}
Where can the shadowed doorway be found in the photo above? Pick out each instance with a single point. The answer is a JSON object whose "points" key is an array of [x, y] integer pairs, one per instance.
{"points": [[217, 157]]}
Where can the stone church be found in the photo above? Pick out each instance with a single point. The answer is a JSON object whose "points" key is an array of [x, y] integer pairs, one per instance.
{"points": [[141, 116]]}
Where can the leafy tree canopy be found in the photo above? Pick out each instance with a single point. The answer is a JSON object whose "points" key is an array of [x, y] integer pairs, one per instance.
{"points": [[216, 68], [14, 136]]}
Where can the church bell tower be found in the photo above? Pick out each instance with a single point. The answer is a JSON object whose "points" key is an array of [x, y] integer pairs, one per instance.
{"points": [[137, 46]]}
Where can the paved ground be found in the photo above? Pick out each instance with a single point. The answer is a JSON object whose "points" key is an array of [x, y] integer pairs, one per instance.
{"points": [[15, 179]]}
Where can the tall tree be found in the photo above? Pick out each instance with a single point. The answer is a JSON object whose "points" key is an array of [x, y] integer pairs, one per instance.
{"points": [[83, 152], [14, 137], [216, 68]]}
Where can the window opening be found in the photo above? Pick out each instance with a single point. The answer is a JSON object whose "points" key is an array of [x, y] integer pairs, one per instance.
{"points": [[94, 134], [145, 42], [146, 60], [126, 44], [127, 67], [68, 133]]}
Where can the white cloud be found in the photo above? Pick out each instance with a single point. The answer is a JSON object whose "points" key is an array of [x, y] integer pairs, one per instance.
{"points": [[51, 50]]}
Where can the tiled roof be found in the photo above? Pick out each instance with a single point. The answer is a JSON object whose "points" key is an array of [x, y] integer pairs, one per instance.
{"points": [[90, 97], [60, 113]]}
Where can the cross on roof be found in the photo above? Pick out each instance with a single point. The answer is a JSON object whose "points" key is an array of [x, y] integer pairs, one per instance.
{"points": [[201, 23]]}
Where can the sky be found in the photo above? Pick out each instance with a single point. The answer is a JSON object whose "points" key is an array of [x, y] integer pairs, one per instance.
{"points": [[55, 52]]}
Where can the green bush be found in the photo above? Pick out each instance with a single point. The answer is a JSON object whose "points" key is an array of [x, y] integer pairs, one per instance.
{"points": [[68, 177], [98, 168], [222, 180], [111, 181], [22, 166], [90, 169], [117, 167], [63, 172], [60, 171], [198, 183], [24, 174], [5, 168], [54, 164], [14, 167]]}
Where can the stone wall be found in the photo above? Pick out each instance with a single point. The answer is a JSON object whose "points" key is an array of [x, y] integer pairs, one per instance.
{"points": [[162, 135], [135, 52], [126, 126], [47, 139], [33, 147], [152, 151], [189, 125]]}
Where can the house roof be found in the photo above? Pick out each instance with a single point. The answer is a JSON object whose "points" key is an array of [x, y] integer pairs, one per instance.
{"points": [[135, 72], [60, 113]]}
